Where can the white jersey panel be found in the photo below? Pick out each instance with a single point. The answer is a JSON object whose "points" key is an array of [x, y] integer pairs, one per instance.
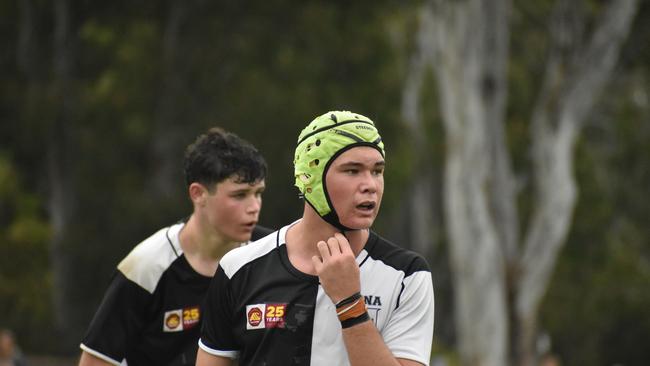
{"points": [[401, 311], [327, 347], [408, 332], [151, 258], [234, 260]]}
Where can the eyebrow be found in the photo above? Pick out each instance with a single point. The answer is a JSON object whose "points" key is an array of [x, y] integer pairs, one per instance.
{"points": [[359, 164], [249, 188]]}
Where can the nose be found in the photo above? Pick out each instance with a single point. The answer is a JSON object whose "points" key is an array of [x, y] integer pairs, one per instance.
{"points": [[255, 206], [368, 183]]}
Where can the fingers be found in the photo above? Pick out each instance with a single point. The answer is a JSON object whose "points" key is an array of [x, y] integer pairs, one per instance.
{"points": [[324, 250], [336, 267], [333, 244], [333, 247], [343, 243], [338, 244]]}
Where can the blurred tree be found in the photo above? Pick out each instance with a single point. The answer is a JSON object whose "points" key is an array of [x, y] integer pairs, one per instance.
{"points": [[609, 253], [169, 131], [499, 279], [25, 280], [60, 166]]}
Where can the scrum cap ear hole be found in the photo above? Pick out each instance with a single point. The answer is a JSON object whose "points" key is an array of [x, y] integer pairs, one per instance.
{"points": [[313, 163]]}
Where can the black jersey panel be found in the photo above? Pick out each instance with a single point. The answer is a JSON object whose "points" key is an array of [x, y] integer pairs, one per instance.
{"points": [[179, 295], [119, 319], [152, 317], [286, 303], [394, 256], [218, 318], [264, 312]]}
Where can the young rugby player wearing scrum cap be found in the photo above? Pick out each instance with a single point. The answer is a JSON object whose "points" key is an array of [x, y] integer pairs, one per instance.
{"points": [[324, 290]]}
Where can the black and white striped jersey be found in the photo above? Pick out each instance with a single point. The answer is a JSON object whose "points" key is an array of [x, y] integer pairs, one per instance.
{"points": [[262, 310], [151, 312]]}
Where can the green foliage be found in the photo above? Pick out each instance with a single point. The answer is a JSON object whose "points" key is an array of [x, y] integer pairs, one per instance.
{"points": [[25, 286], [608, 252]]}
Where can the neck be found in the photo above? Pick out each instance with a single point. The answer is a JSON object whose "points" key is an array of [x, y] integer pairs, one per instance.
{"points": [[202, 247], [301, 239]]}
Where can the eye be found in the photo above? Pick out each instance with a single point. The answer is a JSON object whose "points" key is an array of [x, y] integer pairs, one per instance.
{"points": [[378, 171], [239, 195]]}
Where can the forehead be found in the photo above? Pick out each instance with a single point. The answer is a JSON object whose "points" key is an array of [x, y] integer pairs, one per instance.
{"points": [[233, 183], [365, 155]]}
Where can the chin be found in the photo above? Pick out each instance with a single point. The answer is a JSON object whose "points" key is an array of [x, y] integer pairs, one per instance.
{"points": [[360, 224], [241, 238], [245, 238]]}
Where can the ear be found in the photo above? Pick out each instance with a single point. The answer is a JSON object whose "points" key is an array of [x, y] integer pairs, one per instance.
{"points": [[198, 193]]}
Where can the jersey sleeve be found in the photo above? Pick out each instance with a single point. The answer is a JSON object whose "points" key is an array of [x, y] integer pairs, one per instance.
{"points": [[118, 320], [217, 336], [409, 332]]}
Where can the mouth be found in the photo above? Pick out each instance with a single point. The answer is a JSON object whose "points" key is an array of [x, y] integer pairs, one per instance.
{"points": [[367, 206], [250, 225]]}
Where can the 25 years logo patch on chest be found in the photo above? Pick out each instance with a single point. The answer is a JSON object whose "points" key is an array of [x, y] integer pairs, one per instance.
{"points": [[181, 319], [260, 316]]}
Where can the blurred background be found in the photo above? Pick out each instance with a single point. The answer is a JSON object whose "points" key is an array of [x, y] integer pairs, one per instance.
{"points": [[516, 135]]}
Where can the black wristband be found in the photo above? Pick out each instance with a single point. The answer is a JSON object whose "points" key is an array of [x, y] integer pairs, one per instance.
{"points": [[354, 321], [348, 300]]}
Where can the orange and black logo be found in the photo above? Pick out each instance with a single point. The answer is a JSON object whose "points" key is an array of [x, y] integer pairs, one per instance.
{"points": [[261, 316], [254, 316], [172, 322], [181, 319]]}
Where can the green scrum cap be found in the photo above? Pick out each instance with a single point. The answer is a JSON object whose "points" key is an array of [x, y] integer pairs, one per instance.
{"points": [[322, 141]]}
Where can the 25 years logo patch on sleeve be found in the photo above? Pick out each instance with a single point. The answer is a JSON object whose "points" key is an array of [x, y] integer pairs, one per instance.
{"points": [[261, 316]]}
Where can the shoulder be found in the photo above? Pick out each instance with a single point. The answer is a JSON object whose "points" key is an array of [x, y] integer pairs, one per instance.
{"points": [[148, 260], [392, 255], [234, 260]]}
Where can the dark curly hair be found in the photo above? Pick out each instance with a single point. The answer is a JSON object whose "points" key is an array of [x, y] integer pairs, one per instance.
{"points": [[218, 155]]}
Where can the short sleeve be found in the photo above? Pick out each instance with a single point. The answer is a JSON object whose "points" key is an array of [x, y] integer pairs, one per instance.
{"points": [[409, 332], [118, 320], [217, 330]]}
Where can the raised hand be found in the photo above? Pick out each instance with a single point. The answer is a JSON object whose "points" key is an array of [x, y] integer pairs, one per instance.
{"points": [[337, 268]]}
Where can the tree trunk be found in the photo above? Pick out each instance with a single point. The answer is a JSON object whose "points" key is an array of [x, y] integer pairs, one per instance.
{"points": [[469, 62], [168, 129], [575, 77], [61, 198], [499, 280], [422, 224], [25, 57]]}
